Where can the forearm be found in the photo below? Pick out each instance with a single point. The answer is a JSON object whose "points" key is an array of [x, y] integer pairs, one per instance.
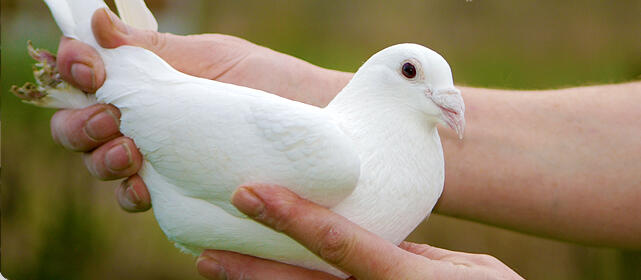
{"points": [[562, 163]]}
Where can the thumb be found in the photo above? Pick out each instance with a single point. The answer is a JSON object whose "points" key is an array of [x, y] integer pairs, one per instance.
{"points": [[208, 55], [330, 236], [111, 32]]}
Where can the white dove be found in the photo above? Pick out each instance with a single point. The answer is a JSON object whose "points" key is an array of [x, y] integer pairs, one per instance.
{"points": [[373, 155]]}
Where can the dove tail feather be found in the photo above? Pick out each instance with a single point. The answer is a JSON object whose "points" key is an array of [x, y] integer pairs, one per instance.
{"points": [[50, 91], [74, 17]]}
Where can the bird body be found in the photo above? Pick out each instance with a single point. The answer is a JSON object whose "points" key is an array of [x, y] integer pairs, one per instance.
{"points": [[373, 155]]}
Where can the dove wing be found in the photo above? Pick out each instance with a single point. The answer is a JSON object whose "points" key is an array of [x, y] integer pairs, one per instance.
{"points": [[208, 137]]}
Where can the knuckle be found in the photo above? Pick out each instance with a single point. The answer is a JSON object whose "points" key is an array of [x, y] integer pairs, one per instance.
{"points": [[97, 169], [282, 217], [335, 245], [157, 40], [409, 246], [63, 59], [484, 259], [418, 249], [56, 128], [66, 129], [91, 165], [68, 50], [218, 37]]}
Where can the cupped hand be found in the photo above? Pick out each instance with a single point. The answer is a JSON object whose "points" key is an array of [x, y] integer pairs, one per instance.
{"points": [[341, 243], [108, 154]]}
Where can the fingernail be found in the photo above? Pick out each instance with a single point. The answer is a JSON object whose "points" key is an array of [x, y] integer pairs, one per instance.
{"points": [[131, 195], [118, 158], [126, 198], [248, 202], [102, 125], [83, 75], [118, 24], [129, 198], [210, 268]]}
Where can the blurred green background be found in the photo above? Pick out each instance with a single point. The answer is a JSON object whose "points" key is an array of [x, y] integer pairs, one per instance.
{"points": [[60, 223]]}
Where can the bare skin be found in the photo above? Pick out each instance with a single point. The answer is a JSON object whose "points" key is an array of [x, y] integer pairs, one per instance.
{"points": [[560, 163]]}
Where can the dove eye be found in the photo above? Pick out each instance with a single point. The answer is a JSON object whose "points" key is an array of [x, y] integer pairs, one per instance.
{"points": [[408, 70]]}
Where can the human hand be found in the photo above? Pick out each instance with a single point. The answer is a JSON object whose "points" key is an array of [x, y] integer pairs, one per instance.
{"points": [[341, 243], [94, 130]]}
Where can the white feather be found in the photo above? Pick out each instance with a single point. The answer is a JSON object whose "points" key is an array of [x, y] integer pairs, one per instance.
{"points": [[136, 14], [74, 18]]}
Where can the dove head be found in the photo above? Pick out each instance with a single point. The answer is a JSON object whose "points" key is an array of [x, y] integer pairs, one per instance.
{"points": [[414, 77]]}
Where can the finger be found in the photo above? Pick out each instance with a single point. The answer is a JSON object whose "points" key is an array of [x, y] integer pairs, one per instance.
{"points": [[80, 65], [111, 32], [210, 55], [229, 265], [330, 236], [84, 129], [133, 195], [116, 159]]}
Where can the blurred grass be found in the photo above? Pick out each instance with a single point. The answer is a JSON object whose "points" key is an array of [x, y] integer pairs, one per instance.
{"points": [[59, 223]]}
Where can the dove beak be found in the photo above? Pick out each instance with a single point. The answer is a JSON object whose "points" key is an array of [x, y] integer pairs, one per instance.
{"points": [[450, 101]]}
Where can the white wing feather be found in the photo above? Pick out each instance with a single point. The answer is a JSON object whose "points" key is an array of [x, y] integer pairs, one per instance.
{"points": [[74, 17], [136, 14]]}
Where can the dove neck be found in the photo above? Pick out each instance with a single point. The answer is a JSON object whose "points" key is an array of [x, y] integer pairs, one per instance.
{"points": [[402, 170]]}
